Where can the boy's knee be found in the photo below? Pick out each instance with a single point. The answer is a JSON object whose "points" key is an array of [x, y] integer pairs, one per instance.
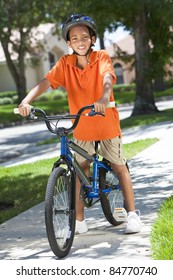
{"points": [[119, 169], [85, 164]]}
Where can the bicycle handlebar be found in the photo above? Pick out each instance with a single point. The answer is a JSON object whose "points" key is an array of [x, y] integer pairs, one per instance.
{"points": [[58, 130]]}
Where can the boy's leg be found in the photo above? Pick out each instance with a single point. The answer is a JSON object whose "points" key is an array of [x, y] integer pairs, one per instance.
{"points": [[126, 185], [85, 165], [112, 150], [81, 226], [133, 224], [79, 203]]}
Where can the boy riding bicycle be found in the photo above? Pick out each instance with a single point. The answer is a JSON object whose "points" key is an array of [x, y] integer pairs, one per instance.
{"points": [[88, 77]]}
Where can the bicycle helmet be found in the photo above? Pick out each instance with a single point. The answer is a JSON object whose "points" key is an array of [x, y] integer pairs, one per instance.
{"points": [[78, 19]]}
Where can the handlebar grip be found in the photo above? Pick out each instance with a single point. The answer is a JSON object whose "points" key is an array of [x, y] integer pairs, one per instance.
{"points": [[111, 104], [16, 111]]}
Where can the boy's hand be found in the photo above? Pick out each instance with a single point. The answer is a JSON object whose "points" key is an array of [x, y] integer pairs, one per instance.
{"points": [[24, 109], [100, 107]]}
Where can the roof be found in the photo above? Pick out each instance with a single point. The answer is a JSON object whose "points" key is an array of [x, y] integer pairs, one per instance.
{"points": [[126, 45]]}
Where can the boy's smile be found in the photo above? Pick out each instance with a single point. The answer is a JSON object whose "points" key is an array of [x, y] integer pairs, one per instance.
{"points": [[80, 39]]}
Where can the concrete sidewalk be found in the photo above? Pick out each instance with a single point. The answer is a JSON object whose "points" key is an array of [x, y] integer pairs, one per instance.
{"points": [[24, 236]]}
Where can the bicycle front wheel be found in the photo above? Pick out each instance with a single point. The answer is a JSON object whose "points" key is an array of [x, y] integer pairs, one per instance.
{"points": [[111, 201], [60, 210]]}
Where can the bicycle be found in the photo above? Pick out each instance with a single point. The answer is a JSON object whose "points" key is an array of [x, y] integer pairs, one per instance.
{"points": [[102, 185]]}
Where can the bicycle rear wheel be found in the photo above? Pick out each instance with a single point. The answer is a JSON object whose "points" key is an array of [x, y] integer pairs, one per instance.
{"points": [[60, 210], [111, 200]]}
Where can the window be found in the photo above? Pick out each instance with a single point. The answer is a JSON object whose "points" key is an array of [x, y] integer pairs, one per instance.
{"points": [[119, 73]]}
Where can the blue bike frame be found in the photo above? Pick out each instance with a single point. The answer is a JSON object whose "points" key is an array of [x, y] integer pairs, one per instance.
{"points": [[92, 187]]}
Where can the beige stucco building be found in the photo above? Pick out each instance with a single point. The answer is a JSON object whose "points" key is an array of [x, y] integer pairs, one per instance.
{"points": [[124, 72], [54, 48]]}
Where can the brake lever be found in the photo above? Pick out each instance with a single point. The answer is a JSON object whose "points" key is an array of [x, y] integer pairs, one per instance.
{"points": [[93, 113], [32, 114]]}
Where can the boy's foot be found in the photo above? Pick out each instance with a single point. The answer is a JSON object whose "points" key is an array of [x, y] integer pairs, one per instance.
{"points": [[81, 227], [133, 223]]}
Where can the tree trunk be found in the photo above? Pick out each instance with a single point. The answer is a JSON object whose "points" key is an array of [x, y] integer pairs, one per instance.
{"points": [[144, 101], [17, 70], [21, 88], [102, 45], [159, 84]]}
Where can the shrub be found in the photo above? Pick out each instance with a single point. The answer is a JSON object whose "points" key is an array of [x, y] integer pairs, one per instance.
{"points": [[6, 100], [15, 99], [59, 95], [7, 94], [124, 88], [43, 97]]}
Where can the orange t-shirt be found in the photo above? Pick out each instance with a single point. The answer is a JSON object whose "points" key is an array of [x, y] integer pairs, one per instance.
{"points": [[84, 87]]}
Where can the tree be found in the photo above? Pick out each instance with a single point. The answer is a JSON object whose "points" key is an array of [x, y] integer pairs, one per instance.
{"points": [[144, 102], [151, 54], [161, 36], [17, 20]]}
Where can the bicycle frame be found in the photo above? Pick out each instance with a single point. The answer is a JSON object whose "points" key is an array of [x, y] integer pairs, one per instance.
{"points": [[67, 147]]}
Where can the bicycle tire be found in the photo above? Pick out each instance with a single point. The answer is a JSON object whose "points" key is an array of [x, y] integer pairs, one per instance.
{"points": [[109, 200], [60, 210]]}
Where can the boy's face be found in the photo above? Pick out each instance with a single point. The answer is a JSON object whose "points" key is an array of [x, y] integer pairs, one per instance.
{"points": [[80, 39]]}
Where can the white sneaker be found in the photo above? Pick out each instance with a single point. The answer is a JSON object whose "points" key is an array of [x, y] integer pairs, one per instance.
{"points": [[81, 227], [133, 223]]}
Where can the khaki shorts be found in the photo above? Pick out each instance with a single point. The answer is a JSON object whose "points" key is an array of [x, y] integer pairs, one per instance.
{"points": [[111, 149]]}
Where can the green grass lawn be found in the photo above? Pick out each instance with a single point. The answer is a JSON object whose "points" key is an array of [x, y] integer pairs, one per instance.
{"points": [[162, 232], [23, 185], [163, 116], [7, 116]]}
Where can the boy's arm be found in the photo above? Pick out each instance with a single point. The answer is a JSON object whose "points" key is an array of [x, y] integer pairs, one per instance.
{"points": [[100, 105], [24, 107]]}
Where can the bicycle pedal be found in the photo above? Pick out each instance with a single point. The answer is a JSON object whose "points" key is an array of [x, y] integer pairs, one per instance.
{"points": [[108, 190], [120, 214]]}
